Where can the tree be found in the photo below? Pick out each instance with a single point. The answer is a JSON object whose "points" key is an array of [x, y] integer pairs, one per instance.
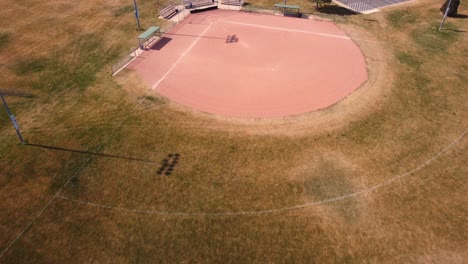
{"points": [[453, 7]]}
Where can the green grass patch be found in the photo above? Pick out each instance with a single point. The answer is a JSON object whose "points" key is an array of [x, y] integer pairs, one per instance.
{"points": [[408, 59], [75, 67], [5, 37], [152, 99], [29, 66], [432, 40], [401, 18], [122, 11], [461, 73], [364, 132], [328, 180], [417, 95]]}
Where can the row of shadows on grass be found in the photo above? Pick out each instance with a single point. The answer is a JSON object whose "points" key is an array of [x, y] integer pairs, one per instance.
{"points": [[168, 164]]}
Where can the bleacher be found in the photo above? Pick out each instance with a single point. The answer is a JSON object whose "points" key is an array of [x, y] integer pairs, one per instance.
{"points": [[168, 11], [192, 4], [233, 2]]}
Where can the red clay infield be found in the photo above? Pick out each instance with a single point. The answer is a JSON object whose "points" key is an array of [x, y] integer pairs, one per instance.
{"points": [[250, 65]]}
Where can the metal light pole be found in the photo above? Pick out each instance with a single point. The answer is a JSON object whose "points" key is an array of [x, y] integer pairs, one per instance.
{"points": [[13, 120], [445, 16], [137, 15]]}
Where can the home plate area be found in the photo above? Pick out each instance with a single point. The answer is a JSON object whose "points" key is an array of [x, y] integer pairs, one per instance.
{"points": [[368, 6]]}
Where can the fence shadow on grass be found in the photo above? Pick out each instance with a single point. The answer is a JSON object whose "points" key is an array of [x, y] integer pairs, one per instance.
{"points": [[88, 153], [168, 164]]}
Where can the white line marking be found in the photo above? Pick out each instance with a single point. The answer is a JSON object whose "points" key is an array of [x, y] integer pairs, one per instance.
{"points": [[56, 195], [181, 57], [276, 210], [123, 67], [287, 29], [135, 55], [48, 204]]}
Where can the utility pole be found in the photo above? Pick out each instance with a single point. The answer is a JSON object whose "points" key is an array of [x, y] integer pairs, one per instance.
{"points": [[445, 15], [13, 120], [137, 15]]}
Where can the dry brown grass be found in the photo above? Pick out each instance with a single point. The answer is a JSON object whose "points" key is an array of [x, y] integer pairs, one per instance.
{"points": [[413, 107]]}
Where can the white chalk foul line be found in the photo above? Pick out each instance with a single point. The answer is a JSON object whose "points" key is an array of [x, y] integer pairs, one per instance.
{"points": [[181, 57], [57, 194], [20, 234], [287, 30], [276, 210]]}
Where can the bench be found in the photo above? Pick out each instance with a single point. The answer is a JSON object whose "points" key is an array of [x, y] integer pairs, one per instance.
{"points": [[168, 12], [287, 9], [148, 34], [198, 3]]}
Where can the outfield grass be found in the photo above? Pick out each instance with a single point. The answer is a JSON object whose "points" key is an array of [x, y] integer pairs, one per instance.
{"points": [[237, 189]]}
